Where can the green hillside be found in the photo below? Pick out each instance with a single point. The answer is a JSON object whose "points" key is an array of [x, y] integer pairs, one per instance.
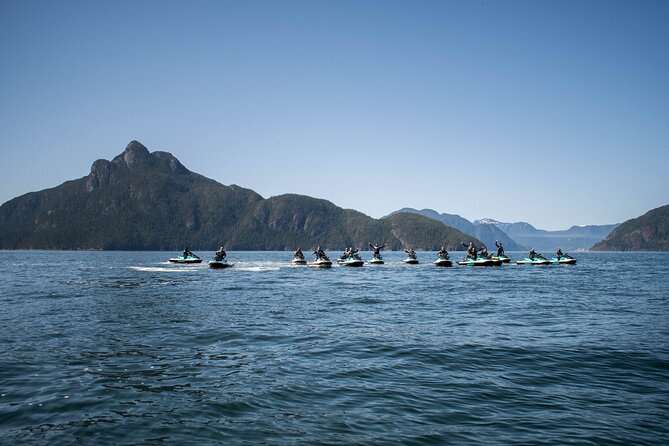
{"points": [[150, 201], [650, 232]]}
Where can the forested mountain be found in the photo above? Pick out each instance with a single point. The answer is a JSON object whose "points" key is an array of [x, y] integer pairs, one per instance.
{"points": [[650, 232], [150, 201]]}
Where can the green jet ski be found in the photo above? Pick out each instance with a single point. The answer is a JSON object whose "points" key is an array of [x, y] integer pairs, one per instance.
{"points": [[538, 260], [192, 258], [503, 258], [376, 261], [563, 260], [353, 260], [480, 261]]}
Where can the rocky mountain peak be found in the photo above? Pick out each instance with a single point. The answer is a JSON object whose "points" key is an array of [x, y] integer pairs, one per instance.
{"points": [[135, 155], [101, 173]]}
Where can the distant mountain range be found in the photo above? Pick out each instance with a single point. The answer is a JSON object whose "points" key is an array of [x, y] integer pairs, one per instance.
{"points": [[150, 201], [572, 239], [488, 234], [649, 232], [521, 235]]}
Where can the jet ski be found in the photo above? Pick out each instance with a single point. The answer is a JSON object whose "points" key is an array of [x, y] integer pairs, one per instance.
{"points": [[563, 260], [503, 258], [192, 258], [219, 263], [298, 261], [411, 260], [376, 261], [354, 260], [441, 261], [480, 261], [321, 262], [539, 260]]}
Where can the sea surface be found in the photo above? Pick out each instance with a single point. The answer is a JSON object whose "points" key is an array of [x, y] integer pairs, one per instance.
{"points": [[125, 348]]}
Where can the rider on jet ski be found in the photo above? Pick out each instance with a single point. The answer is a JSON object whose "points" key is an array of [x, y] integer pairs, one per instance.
{"points": [[320, 254], [471, 250], [220, 254], [377, 249]]}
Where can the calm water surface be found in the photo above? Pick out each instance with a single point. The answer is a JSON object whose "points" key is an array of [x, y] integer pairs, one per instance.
{"points": [[124, 348]]}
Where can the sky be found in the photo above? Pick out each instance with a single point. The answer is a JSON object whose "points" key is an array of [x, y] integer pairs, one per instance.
{"points": [[550, 112]]}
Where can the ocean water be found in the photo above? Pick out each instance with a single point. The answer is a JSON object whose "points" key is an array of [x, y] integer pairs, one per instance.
{"points": [[124, 348]]}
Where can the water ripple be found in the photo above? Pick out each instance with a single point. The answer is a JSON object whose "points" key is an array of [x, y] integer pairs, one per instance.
{"points": [[123, 348]]}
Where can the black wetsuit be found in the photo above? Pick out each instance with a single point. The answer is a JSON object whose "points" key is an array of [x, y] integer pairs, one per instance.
{"points": [[377, 249]]}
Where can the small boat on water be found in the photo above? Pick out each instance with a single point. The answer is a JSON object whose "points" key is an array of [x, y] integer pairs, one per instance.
{"points": [[411, 260], [298, 261]]}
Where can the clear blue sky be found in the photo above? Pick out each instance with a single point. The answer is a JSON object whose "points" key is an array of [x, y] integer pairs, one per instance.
{"points": [[551, 112]]}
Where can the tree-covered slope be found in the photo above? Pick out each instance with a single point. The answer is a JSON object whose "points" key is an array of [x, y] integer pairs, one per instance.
{"points": [[650, 232], [146, 201]]}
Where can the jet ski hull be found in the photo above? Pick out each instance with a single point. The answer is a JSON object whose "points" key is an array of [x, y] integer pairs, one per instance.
{"points": [[320, 264], [352, 262], [443, 262], [410, 261], [376, 261], [298, 261], [563, 261], [528, 261], [477, 262], [219, 264], [502, 258], [186, 260]]}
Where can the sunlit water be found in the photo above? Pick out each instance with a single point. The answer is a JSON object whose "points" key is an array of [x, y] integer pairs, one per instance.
{"points": [[125, 348]]}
